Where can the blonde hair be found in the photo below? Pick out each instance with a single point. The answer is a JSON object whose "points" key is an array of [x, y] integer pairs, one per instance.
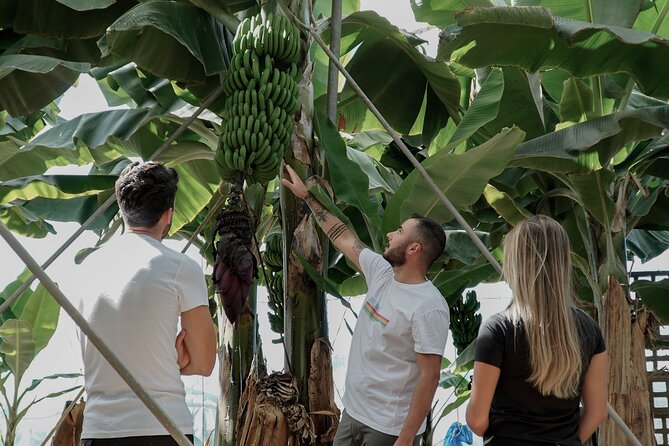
{"points": [[537, 267]]}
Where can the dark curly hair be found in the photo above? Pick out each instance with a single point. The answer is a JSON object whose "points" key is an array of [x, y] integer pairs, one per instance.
{"points": [[144, 191]]}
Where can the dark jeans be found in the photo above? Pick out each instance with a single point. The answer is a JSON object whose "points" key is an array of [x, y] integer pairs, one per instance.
{"points": [[354, 433], [152, 440]]}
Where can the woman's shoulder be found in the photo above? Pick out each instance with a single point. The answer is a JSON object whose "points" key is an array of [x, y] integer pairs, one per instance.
{"points": [[500, 321], [591, 334], [584, 318]]}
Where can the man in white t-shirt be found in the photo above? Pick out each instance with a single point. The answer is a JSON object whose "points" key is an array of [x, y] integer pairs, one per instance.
{"points": [[396, 350], [133, 291]]}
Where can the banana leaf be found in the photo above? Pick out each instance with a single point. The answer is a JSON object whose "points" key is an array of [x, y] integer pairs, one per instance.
{"points": [[323, 8], [17, 347], [484, 108], [92, 137], [23, 222], [16, 308], [441, 13], [198, 181], [519, 105], [130, 85], [647, 245], [460, 246], [577, 102], [349, 181], [504, 205], [594, 192], [461, 177], [657, 219], [653, 18], [77, 209], [654, 295], [532, 38], [54, 186], [171, 40], [30, 82], [41, 313], [68, 19], [395, 75], [592, 144]]}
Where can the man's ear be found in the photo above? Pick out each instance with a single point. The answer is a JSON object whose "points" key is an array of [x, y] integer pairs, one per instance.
{"points": [[167, 215], [416, 248]]}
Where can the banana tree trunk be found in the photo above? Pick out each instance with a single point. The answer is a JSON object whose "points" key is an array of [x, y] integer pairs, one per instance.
{"points": [[304, 302], [628, 387], [235, 358], [624, 334]]}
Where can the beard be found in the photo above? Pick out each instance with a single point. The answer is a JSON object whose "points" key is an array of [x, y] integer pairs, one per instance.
{"points": [[396, 256]]}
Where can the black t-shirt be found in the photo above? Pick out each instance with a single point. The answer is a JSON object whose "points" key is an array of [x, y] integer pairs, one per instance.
{"points": [[519, 413]]}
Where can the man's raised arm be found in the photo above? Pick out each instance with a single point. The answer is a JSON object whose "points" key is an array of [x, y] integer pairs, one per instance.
{"points": [[340, 235]]}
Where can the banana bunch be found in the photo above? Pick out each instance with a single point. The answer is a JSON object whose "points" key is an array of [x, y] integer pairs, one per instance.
{"points": [[275, 301], [273, 255], [465, 321], [261, 89]]}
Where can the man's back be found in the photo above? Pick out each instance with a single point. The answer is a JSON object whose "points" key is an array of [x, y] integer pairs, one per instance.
{"points": [[132, 292]]}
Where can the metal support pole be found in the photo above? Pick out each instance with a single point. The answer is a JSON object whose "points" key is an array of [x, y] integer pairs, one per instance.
{"points": [[335, 47], [110, 356], [623, 427], [216, 93]]}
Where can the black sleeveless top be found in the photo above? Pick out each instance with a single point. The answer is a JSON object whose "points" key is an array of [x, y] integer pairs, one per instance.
{"points": [[519, 413]]}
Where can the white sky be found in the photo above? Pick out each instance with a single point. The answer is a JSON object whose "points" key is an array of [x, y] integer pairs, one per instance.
{"points": [[63, 356]]}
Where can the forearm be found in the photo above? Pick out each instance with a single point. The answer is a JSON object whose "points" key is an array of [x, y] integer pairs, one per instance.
{"points": [[339, 234], [588, 424], [421, 402], [332, 226]]}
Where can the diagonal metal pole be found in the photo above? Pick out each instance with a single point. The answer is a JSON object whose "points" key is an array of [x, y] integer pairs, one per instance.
{"points": [[111, 200], [479, 244], [97, 342], [335, 47]]}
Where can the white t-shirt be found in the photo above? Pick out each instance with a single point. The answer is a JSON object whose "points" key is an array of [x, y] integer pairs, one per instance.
{"points": [[132, 292], [397, 321]]}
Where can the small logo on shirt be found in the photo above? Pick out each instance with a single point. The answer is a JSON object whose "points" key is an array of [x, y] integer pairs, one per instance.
{"points": [[375, 315]]}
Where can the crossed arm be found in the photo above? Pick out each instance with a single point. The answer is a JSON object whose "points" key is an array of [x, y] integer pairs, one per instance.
{"points": [[196, 343]]}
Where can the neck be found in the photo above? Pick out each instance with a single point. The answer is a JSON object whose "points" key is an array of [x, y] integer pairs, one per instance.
{"points": [[407, 274], [151, 232]]}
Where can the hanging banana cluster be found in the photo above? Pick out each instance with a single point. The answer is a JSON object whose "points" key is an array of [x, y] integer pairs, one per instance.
{"points": [[275, 302], [273, 258], [261, 89], [465, 322]]}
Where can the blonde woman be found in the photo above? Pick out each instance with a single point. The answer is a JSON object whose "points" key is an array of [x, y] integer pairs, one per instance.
{"points": [[538, 360]]}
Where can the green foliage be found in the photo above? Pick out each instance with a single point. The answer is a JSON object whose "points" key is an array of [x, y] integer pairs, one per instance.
{"points": [[541, 107], [27, 326]]}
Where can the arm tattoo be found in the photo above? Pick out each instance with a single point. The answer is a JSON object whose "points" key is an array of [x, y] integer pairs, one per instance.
{"points": [[337, 230], [317, 208], [358, 247]]}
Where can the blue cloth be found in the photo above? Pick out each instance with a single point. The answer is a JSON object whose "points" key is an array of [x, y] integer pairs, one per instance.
{"points": [[458, 435]]}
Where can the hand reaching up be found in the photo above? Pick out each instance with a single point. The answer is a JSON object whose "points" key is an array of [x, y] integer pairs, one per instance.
{"points": [[295, 184]]}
